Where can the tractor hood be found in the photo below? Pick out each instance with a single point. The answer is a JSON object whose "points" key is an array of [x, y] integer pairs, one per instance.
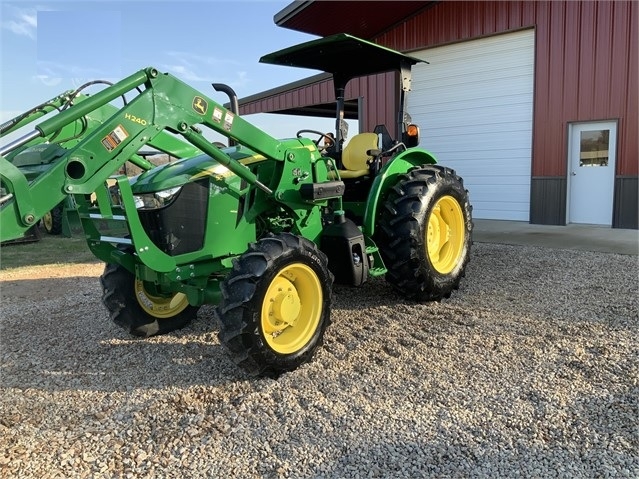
{"points": [[187, 170], [342, 55]]}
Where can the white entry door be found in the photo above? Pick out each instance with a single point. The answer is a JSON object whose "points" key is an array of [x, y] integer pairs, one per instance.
{"points": [[591, 172]]}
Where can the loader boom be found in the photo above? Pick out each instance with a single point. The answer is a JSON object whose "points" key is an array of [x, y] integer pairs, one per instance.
{"points": [[165, 105]]}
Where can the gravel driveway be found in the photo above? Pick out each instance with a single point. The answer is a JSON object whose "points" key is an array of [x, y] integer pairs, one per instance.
{"points": [[530, 370]]}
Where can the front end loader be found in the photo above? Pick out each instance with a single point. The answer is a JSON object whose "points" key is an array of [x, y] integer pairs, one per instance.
{"points": [[261, 228]]}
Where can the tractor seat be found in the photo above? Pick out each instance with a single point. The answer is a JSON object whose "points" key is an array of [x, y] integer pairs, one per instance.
{"points": [[355, 157]]}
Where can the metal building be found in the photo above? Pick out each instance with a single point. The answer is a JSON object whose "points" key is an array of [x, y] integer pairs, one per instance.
{"points": [[534, 103]]}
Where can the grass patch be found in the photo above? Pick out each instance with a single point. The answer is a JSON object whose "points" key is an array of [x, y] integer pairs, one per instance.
{"points": [[49, 250]]}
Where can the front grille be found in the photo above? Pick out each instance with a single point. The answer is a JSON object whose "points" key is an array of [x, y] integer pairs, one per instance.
{"points": [[179, 227]]}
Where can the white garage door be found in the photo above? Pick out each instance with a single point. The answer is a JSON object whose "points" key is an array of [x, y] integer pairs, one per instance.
{"points": [[473, 104]]}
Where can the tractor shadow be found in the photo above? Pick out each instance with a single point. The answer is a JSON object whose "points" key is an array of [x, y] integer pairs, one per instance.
{"points": [[56, 335], [374, 293]]}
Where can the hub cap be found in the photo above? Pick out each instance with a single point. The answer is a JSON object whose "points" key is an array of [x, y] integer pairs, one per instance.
{"points": [[292, 309], [445, 234]]}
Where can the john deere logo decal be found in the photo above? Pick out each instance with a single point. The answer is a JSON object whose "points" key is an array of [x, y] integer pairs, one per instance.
{"points": [[200, 105]]}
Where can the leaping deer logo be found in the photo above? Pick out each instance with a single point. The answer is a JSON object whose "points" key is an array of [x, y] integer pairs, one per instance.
{"points": [[200, 105]]}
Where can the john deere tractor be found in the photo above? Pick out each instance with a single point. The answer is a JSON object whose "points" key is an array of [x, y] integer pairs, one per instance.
{"points": [[262, 228]]}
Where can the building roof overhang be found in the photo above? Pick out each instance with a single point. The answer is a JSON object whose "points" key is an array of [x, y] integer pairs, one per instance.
{"points": [[362, 18]]}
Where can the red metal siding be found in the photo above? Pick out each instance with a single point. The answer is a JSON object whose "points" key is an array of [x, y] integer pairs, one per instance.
{"points": [[315, 93], [586, 64], [449, 22], [379, 106], [378, 90]]}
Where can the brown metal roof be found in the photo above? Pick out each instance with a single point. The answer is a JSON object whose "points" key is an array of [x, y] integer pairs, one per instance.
{"points": [[362, 18]]}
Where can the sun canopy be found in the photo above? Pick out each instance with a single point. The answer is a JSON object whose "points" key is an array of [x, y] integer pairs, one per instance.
{"points": [[343, 55]]}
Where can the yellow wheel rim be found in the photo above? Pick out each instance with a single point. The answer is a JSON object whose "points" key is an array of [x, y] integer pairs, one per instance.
{"points": [[47, 220], [292, 309], [445, 234], [158, 306]]}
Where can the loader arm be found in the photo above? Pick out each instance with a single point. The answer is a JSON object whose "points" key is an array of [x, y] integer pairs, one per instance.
{"points": [[55, 103], [73, 132], [166, 106]]}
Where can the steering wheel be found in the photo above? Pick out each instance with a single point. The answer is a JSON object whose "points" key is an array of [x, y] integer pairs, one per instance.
{"points": [[318, 133]]}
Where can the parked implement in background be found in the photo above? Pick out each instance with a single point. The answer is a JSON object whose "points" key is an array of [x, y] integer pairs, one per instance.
{"points": [[260, 229], [34, 157]]}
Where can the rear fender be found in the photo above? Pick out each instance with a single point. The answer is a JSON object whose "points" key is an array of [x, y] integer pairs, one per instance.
{"points": [[387, 178]]}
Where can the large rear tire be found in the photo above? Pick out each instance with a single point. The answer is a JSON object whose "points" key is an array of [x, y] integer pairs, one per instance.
{"points": [[424, 233], [275, 305], [133, 308]]}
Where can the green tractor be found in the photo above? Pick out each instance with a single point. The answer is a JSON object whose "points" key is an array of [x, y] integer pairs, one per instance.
{"points": [[261, 228]]}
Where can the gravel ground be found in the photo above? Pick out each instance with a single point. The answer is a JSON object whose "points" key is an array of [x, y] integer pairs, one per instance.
{"points": [[530, 370]]}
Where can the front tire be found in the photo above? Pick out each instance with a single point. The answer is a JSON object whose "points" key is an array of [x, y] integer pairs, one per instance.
{"points": [[275, 305], [424, 233], [138, 311]]}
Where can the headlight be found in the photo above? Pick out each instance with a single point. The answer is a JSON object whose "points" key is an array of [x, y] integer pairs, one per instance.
{"points": [[151, 201], [167, 195]]}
